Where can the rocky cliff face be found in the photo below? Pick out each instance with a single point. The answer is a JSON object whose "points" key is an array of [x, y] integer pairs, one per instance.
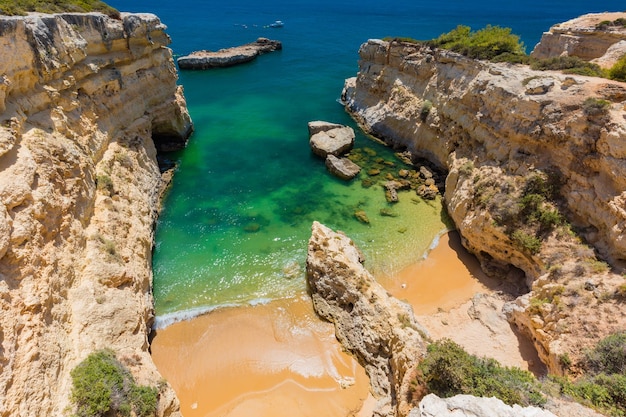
{"points": [[380, 331], [595, 37], [500, 130], [82, 97]]}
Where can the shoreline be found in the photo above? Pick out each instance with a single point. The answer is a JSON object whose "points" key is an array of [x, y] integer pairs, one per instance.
{"points": [[279, 359]]}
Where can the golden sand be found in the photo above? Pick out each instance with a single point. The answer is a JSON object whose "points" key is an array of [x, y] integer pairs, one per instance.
{"points": [[446, 278], [280, 359], [274, 360]]}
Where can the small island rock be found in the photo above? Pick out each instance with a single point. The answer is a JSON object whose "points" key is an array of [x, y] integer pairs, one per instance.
{"points": [[228, 57]]}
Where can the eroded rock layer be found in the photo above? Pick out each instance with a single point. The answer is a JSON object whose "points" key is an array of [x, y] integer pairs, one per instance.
{"points": [[595, 37], [379, 330], [81, 98], [500, 130]]}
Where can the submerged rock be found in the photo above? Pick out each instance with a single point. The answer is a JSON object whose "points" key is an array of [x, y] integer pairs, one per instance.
{"points": [[230, 56], [342, 167]]}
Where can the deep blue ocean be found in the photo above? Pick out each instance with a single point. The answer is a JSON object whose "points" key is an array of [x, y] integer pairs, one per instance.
{"points": [[236, 222]]}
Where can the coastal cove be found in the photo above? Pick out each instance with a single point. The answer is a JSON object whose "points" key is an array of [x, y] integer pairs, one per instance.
{"points": [[247, 187], [231, 239]]}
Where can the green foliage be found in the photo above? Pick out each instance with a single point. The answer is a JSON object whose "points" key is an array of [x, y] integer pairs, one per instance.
{"points": [[603, 391], [609, 356], [607, 24], [22, 7], [400, 39], [618, 71], [448, 370], [488, 43], [569, 65], [104, 183], [526, 241], [604, 387], [595, 106], [102, 386], [427, 106]]}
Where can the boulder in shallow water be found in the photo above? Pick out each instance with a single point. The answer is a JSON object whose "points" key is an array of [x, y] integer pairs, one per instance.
{"points": [[334, 141], [318, 126], [342, 167]]}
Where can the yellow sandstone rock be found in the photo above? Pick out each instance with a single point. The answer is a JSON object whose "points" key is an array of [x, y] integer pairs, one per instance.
{"points": [[83, 99]]}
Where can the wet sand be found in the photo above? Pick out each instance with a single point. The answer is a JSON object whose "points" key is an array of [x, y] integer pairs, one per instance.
{"points": [[268, 360], [445, 279], [280, 360]]}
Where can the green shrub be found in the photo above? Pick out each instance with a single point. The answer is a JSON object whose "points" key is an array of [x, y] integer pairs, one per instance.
{"points": [[606, 24], [618, 71], [427, 106], [526, 241], [595, 106], [448, 370], [488, 43], [604, 392], [102, 386], [104, 183], [609, 356], [22, 7], [569, 65]]}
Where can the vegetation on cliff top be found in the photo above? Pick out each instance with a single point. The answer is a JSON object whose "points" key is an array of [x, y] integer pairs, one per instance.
{"points": [[604, 385], [488, 43], [22, 7], [102, 386], [498, 44], [448, 370]]}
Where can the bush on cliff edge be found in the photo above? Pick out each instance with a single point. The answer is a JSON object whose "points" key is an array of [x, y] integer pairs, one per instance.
{"points": [[488, 43], [102, 386], [448, 370], [22, 7]]}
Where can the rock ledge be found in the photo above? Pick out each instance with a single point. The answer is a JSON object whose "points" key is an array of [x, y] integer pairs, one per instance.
{"points": [[230, 56]]}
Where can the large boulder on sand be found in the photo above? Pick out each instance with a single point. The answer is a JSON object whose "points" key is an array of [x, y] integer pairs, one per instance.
{"points": [[342, 167], [378, 329], [336, 140]]}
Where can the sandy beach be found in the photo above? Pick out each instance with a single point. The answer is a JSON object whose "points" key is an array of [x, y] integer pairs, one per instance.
{"points": [[276, 360], [279, 359]]}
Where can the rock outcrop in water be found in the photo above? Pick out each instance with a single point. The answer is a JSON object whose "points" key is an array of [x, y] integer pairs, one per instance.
{"points": [[228, 57], [380, 331], [501, 130], [83, 100]]}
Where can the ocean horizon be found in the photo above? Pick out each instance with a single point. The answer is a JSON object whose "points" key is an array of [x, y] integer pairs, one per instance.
{"points": [[236, 222]]}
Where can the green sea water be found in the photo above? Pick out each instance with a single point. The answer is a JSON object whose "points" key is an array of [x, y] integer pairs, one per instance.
{"points": [[237, 219], [236, 222]]}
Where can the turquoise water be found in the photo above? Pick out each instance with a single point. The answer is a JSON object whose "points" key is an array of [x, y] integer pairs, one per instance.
{"points": [[236, 223]]}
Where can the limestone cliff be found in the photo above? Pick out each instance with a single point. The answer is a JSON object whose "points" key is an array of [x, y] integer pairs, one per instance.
{"points": [[82, 97], [379, 330], [500, 130], [595, 37]]}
